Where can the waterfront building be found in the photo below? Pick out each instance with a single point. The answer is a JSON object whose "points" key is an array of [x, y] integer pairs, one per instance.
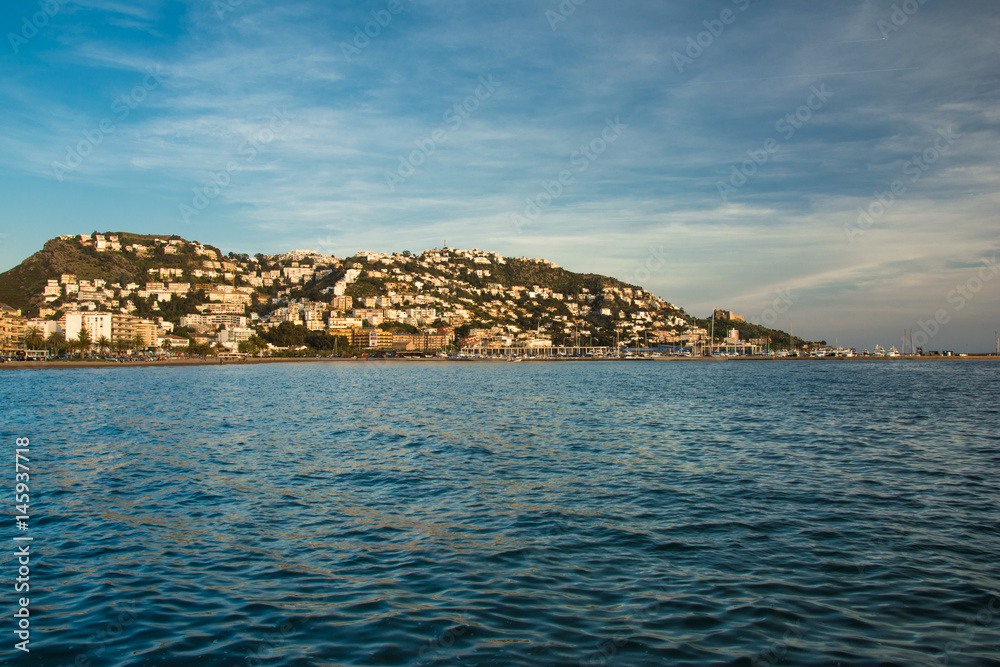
{"points": [[12, 326]]}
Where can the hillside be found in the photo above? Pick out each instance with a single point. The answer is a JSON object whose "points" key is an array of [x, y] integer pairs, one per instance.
{"points": [[482, 296], [22, 286]]}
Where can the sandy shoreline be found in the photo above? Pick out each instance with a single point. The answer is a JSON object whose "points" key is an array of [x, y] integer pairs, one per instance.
{"points": [[169, 363]]}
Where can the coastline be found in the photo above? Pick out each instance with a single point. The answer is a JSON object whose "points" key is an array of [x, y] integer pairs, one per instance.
{"points": [[172, 363]]}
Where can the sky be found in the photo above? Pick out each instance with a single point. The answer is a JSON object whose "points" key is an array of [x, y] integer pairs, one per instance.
{"points": [[832, 167]]}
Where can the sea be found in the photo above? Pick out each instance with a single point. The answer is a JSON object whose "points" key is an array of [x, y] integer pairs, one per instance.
{"points": [[753, 513]]}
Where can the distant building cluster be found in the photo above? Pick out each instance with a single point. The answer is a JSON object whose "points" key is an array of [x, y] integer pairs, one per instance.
{"points": [[190, 292]]}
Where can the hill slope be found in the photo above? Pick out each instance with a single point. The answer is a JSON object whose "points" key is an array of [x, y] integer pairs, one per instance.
{"points": [[166, 277]]}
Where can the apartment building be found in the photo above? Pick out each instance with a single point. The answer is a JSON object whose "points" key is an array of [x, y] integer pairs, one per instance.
{"points": [[369, 338], [342, 303], [421, 342], [97, 325], [12, 326], [127, 327]]}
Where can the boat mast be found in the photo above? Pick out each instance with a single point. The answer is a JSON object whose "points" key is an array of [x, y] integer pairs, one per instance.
{"points": [[711, 337]]}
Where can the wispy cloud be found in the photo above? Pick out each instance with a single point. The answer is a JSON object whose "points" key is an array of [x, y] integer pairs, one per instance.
{"points": [[323, 179]]}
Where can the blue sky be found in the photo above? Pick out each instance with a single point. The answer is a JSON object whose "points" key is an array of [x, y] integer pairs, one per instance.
{"points": [[717, 153]]}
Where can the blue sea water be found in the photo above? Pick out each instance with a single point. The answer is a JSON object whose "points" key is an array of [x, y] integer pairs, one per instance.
{"points": [[423, 513]]}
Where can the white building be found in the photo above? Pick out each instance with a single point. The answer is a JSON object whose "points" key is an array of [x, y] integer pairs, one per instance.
{"points": [[45, 327], [298, 274], [231, 338], [96, 324]]}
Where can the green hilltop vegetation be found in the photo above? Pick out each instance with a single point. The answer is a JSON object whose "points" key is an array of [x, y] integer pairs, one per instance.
{"points": [[475, 293], [21, 287]]}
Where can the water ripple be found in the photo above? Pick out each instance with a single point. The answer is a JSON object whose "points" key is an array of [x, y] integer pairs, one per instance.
{"points": [[521, 514]]}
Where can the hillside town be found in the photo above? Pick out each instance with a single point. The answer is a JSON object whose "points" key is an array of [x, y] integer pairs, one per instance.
{"points": [[193, 299]]}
